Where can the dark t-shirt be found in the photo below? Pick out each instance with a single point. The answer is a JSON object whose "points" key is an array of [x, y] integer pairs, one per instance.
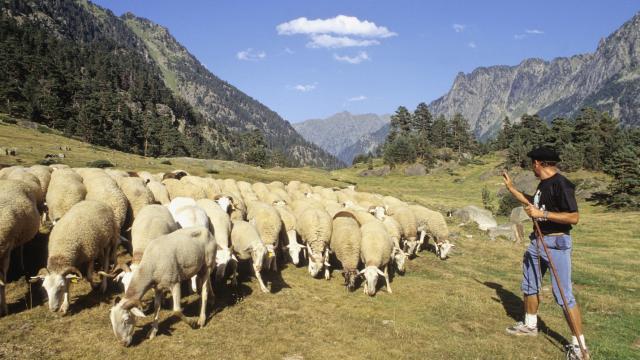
{"points": [[555, 194]]}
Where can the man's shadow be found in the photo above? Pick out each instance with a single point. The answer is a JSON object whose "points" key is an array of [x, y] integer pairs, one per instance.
{"points": [[514, 307]]}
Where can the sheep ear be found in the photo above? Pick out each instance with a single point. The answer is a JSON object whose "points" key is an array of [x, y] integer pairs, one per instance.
{"points": [[380, 272], [137, 312], [116, 300]]}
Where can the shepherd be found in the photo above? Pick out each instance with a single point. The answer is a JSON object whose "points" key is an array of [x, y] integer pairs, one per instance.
{"points": [[554, 210]]}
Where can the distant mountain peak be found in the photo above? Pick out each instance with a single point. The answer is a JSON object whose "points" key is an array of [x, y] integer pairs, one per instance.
{"points": [[557, 87]]}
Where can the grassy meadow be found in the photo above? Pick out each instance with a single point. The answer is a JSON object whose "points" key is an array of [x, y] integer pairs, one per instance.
{"points": [[453, 309]]}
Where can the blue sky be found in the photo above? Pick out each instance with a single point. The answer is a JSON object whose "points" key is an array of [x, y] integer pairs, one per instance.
{"points": [[379, 54]]}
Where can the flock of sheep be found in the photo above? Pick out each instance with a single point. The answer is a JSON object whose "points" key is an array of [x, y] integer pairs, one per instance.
{"points": [[180, 227]]}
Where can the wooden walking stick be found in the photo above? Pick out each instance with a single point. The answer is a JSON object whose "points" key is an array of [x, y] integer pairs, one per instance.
{"points": [[570, 319]]}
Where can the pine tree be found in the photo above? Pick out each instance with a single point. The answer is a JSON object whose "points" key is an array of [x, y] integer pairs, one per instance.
{"points": [[624, 191], [440, 132]]}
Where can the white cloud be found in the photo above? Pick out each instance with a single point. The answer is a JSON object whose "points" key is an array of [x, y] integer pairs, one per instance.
{"points": [[534, 31], [357, 98], [519, 36], [333, 42], [472, 45], [458, 27], [362, 56], [251, 55], [305, 88], [341, 25], [289, 51]]}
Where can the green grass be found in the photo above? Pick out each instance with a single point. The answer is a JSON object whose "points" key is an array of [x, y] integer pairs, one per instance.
{"points": [[454, 309]]}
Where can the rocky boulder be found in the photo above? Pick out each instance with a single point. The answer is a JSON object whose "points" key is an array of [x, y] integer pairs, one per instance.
{"points": [[415, 170], [518, 215], [484, 218]]}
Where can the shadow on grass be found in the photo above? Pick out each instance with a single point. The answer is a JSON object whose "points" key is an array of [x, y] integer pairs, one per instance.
{"points": [[514, 306]]}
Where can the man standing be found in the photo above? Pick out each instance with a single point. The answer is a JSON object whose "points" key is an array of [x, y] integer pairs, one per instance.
{"points": [[554, 207]]}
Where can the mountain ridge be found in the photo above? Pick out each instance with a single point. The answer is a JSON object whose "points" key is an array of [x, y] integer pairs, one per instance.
{"points": [[557, 87]]}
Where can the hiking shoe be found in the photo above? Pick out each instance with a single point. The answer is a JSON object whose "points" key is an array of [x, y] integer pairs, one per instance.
{"points": [[520, 329], [573, 353]]}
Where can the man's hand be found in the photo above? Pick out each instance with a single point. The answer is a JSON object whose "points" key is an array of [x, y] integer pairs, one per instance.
{"points": [[507, 180], [533, 212]]}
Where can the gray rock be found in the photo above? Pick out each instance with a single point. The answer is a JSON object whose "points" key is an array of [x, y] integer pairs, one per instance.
{"points": [[415, 170], [376, 172], [518, 215], [484, 218], [511, 232]]}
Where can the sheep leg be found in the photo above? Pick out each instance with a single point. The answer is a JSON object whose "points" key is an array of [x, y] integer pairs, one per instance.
{"points": [[422, 236], [157, 302], [65, 303], [386, 278], [176, 295], [203, 299], [194, 283], [105, 267], [259, 277], [4, 308], [327, 273]]}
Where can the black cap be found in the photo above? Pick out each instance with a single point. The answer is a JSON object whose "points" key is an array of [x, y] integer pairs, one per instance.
{"points": [[544, 154]]}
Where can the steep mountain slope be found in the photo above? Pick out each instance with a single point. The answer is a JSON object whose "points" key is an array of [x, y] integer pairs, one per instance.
{"points": [[219, 101], [606, 80], [341, 131], [367, 143]]}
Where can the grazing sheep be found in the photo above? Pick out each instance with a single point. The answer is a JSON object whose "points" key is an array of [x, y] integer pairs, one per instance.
{"points": [[86, 233], [222, 233], [115, 174], [178, 188], [43, 173], [19, 223], [289, 227], [136, 193], [432, 223], [101, 187], [345, 243], [398, 256], [247, 245], [404, 215], [152, 222], [65, 190], [267, 221], [203, 185], [35, 188], [166, 262], [375, 251], [159, 191], [314, 227]]}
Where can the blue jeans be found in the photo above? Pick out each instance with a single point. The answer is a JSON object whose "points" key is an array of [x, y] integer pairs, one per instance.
{"points": [[560, 250]]}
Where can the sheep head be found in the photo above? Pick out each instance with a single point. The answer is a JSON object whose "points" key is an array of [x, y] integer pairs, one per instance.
{"points": [[56, 284], [399, 258], [378, 212], [226, 203], [350, 277], [294, 247], [443, 249], [316, 262], [411, 246], [123, 319], [370, 274]]}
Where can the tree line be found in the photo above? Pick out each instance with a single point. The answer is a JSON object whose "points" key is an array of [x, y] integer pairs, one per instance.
{"points": [[592, 140], [419, 136]]}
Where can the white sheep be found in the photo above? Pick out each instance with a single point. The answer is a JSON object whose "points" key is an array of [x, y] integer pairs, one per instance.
{"points": [[345, 244], [86, 233], [136, 193], [19, 223], [159, 191], [101, 187], [65, 190], [43, 173], [222, 233], [152, 222], [247, 245], [375, 251], [432, 223], [178, 188], [404, 215], [314, 226], [267, 221], [398, 256], [166, 262], [289, 227]]}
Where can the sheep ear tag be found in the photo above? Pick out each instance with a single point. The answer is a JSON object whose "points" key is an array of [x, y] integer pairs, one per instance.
{"points": [[270, 254], [74, 280]]}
